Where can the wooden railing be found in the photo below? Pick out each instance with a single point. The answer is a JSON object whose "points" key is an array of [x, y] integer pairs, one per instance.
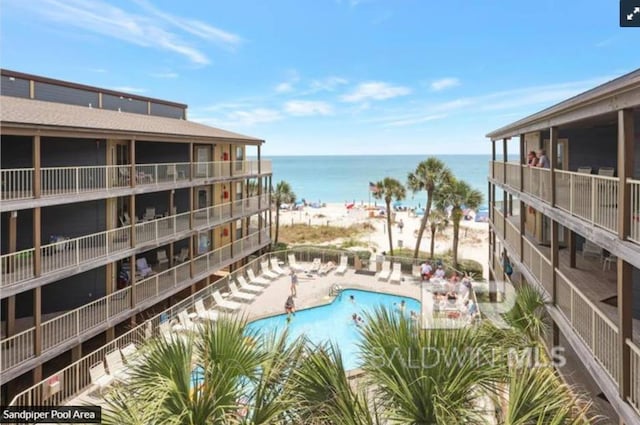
{"points": [[537, 182], [634, 393], [19, 266], [498, 171], [498, 220], [538, 265], [513, 175], [590, 197], [634, 229], [73, 325], [17, 183], [513, 237], [596, 330]]}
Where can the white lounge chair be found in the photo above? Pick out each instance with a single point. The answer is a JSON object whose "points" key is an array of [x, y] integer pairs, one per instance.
{"points": [[326, 268], [396, 274], [117, 368], [185, 321], [293, 265], [256, 280], [99, 377], [162, 257], [385, 273], [344, 263], [169, 332], [237, 294], [276, 267], [203, 313], [131, 355], [264, 268], [315, 266], [225, 304], [372, 263], [244, 285]]}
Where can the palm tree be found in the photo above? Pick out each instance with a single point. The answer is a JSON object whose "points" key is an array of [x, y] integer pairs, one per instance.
{"points": [[438, 221], [429, 175], [282, 195], [388, 190], [457, 194]]}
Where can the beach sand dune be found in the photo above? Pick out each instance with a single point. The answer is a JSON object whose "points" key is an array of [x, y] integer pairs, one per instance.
{"points": [[474, 237]]}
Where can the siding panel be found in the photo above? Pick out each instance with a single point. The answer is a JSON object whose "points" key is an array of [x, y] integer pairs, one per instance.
{"points": [[125, 104], [166, 111], [68, 95], [16, 87]]}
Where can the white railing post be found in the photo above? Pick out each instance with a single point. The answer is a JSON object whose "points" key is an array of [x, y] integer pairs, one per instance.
{"points": [[77, 244], [593, 199], [571, 193], [155, 174]]}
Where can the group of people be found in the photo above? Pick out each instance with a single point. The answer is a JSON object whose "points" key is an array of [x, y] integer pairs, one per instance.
{"points": [[538, 160], [427, 272]]}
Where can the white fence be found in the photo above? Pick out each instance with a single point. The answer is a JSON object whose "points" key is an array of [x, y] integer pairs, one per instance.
{"points": [[17, 183], [537, 182], [634, 394]]}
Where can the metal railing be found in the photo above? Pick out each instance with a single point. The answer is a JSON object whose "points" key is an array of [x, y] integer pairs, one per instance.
{"points": [[590, 197], [538, 265], [513, 175], [596, 330], [634, 393], [634, 229], [16, 183], [537, 182], [72, 325], [18, 267]]}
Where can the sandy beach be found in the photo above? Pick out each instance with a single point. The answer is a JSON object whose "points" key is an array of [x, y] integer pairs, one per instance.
{"points": [[474, 237]]}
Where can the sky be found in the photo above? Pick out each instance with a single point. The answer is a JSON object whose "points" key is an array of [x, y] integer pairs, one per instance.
{"points": [[331, 77]]}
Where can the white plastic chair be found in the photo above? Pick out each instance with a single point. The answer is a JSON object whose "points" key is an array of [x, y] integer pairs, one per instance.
{"points": [[344, 263], [276, 267], [204, 314], [117, 368], [385, 273], [237, 294], [222, 303], [264, 268], [293, 265], [256, 280], [99, 377], [186, 322], [244, 285], [315, 266], [396, 274]]}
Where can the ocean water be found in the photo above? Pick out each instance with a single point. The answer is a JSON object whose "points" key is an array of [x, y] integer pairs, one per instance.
{"points": [[346, 178]]}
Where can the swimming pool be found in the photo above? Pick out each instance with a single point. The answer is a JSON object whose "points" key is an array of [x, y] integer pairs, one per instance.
{"points": [[333, 322]]}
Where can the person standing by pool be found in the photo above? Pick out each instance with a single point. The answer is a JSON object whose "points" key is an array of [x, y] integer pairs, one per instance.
{"points": [[289, 305], [294, 284]]}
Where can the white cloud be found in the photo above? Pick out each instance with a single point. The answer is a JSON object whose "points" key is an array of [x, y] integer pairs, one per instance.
{"points": [[167, 75], [289, 84], [98, 70], [253, 116], [444, 83], [284, 88], [375, 90], [417, 120], [129, 89], [326, 84], [145, 30], [307, 108]]}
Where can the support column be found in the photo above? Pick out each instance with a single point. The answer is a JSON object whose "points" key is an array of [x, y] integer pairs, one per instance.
{"points": [[522, 230], [554, 259], [132, 159], [191, 165], [133, 217], [572, 248], [173, 223], [76, 353], [504, 159], [625, 277], [270, 217], [11, 301], [523, 161], [11, 315], [37, 175], [132, 277], [37, 320], [37, 253], [553, 160], [504, 215]]}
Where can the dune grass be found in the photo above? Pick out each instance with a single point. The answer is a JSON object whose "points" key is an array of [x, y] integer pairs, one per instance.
{"points": [[302, 233]]}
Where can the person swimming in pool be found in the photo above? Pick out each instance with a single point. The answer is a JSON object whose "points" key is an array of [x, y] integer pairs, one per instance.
{"points": [[352, 299]]}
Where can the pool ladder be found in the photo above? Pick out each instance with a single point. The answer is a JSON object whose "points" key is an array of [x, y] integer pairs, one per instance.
{"points": [[335, 290]]}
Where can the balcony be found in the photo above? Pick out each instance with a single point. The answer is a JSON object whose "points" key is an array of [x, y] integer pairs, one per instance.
{"points": [[61, 183], [583, 295], [67, 330], [70, 256]]}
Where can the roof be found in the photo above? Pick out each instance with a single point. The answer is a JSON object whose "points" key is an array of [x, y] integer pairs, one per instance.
{"points": [[63, 83], [603, 92], [29, 113]]}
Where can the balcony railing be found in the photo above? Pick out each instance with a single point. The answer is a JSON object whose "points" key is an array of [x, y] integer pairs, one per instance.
{"points": [[17, 183], [513, 237], [590, 197], [19, 266], [73, 325], [634, 228], [537, 182], [498, 220], [498, 171], [513, 175], [538, 265], [634, 393]]}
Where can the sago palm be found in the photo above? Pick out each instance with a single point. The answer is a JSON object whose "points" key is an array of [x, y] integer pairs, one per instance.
{"points": [[456, 195], [282, 195], [429, 176], [388, 190]]}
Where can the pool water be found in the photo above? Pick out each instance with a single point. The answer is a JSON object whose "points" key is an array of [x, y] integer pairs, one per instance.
{"points": [[333, 322]]}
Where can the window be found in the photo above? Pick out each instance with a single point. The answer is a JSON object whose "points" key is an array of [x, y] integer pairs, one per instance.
{"points": [[239, 158]]}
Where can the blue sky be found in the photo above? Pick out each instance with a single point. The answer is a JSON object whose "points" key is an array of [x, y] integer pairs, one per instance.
{"points": [[331, 76]]}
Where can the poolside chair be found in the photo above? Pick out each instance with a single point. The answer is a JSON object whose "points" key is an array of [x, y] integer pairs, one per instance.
{"points": [[372, 263], [237, 294], [344, 263], [326, 268], [264, 268], [396, 274], [131, 355], [315, 266], [293, 265], [385, 273], [276, 267], [225, 304], [99, 377], [244, 285], [143, 268], [204, 314], [117, 368], [256, 280], [185, 321]]}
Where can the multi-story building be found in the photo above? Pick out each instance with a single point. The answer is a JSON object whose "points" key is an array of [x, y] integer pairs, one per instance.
{"points": [[572, 229], [114, 206]]}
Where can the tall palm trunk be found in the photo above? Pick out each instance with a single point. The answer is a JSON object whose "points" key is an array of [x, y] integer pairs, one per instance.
{"points": [[389, 227], [456, 231], [277, 223], [433, 240], [423, 223]]}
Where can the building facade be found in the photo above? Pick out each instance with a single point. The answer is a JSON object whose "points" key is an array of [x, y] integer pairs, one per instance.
{"points": [[572, 229], [113, 207]]}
